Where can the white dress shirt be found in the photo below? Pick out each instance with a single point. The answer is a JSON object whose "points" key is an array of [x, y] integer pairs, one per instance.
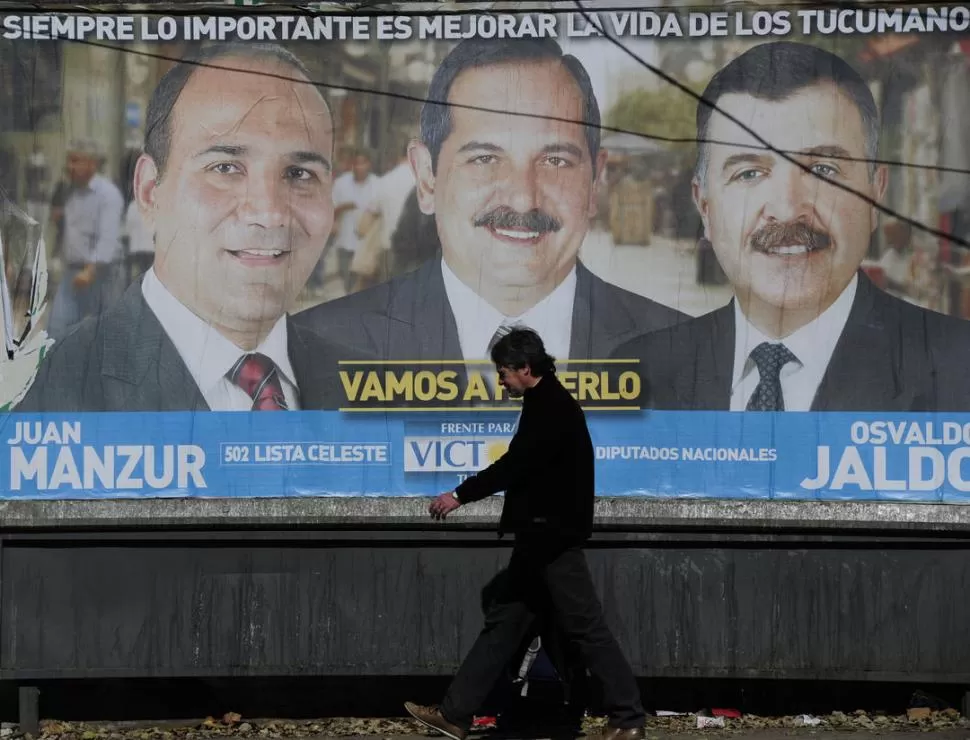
{"points": [[209, 356], [478, 320], [813, 345]]}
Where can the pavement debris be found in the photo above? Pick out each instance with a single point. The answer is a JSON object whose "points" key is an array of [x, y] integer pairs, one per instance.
{"points": [[232, 725], [704, 722]]}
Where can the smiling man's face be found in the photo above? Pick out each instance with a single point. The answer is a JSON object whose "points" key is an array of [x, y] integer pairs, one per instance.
{"points": [[512, 194], [242, 211], [788, 238]]}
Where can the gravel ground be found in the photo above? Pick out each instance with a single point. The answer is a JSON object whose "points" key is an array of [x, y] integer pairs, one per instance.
{"points": [[948, 723]]}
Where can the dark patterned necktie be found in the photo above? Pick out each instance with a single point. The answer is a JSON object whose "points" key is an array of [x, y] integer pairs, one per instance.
{"points": [[770, 359], [257, 375]]}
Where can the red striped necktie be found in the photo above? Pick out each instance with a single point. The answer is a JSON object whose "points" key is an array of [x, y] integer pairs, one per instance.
{"points": [[259, 377]]}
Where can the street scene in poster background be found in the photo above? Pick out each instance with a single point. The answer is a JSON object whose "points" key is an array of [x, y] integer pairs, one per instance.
{"points": [[765, 298]]}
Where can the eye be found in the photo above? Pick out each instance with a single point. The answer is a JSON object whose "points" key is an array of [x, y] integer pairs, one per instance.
{"points": [[300, 174], [748, 175], [824, 170], [225, 168], [557, 161], [484, 159]]}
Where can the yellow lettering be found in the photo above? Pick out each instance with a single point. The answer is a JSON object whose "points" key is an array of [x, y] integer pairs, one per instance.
{"points": [[629, 385], [351, 387], [476, 388], [587, 386], [425, 385], [605, 393], [449, 388], [568, 380], [403, 386], [372, 389]]}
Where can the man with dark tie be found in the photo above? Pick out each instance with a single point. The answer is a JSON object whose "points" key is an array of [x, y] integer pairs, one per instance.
{"points": [[791, 225], [235, 186], [512, 195]]}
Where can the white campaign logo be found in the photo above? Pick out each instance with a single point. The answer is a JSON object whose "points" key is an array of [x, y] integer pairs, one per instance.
{"points": [[451, 454]]}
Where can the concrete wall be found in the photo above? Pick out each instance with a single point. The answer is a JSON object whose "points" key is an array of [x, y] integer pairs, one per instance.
{"points": [[373, 587]]}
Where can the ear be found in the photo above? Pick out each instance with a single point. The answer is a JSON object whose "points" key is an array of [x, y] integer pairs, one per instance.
{"points": [[880, 181], [420, 159], [700, 203], [145, 186]]}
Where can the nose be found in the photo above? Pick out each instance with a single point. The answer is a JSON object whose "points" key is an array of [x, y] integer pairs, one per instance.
{"points": [[521, 189], [791, 194], [265, 201]]}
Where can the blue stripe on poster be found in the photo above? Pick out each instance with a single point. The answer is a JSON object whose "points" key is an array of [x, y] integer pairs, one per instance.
{"points": [[795, 456]]}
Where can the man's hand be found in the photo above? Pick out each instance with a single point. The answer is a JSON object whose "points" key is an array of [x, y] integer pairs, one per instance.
{"points": [[443, 505], [85, 277]]}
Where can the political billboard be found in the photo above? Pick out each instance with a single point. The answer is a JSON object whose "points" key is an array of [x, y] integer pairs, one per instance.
{"points": [[743, 235]]}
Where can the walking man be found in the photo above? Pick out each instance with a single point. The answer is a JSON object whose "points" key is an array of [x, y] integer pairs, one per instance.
{"points": [[547, 476]]}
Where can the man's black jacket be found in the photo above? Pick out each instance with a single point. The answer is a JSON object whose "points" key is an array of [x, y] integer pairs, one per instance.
{"points": [[547, 473]]}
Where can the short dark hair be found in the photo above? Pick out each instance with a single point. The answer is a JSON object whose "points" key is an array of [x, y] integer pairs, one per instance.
{"points": [[128, 163], [158, 118], [474, 53], [776, 71], [522, 347]]}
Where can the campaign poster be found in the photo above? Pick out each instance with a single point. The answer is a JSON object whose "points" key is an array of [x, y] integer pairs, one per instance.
{"points": [[742, 233]]}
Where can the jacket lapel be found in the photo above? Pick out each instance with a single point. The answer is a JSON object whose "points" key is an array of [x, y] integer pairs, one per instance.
{"points": [[138, 352], [863, 373], [599, 323], [704, 380], [417, 323], [316, 366], [583, 340]]}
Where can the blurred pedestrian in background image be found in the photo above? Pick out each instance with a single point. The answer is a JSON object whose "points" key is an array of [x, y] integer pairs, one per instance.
{"points": [[93, 275]]}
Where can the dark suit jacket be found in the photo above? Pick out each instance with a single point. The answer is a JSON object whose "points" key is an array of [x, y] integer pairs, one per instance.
{"points": [[891, 356], [408, 318], [547, 473], [123, 360]]}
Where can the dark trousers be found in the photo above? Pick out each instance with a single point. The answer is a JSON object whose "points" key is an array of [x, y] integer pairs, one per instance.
{"points": [[562, 655], [545, 580]]}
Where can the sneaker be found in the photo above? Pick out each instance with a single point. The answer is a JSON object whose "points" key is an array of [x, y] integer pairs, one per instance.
{"points": [[433, 718]]}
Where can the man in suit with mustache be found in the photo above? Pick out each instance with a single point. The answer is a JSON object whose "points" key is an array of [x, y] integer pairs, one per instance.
{"points": [[235, 185], [807, 330], [512, 196]]}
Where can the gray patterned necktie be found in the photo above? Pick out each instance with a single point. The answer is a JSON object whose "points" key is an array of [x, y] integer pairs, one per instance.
{"points": [[770, 359]]}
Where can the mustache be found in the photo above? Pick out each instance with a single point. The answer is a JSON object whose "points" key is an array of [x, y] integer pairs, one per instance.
{"points": [[504, 217], [771, 236]]}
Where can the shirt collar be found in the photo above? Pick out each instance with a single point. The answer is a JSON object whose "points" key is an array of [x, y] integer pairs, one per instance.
{"points": [[207, 354], [813, 344], [478, 320]]}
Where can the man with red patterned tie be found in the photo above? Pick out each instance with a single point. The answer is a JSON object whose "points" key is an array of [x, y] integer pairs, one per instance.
{"points": [[235, 186]]}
